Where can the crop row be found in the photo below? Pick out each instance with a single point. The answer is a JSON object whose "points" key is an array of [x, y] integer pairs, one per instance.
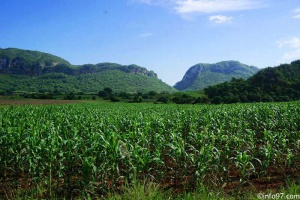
{"points": [[99, 147]]}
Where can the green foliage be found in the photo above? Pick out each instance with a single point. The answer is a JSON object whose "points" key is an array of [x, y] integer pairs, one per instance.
{"points": [[17, 61], [137, 99], [95, 149], [39, 95], [87, 83], [163, 99], [203, 100], [25, 62], [114, 99], [280, 83], [32, 71], [183, 99], [106, 93], [190, 97], [145, 191], [70, 96]]}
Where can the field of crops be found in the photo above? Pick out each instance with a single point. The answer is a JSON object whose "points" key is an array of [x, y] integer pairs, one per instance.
{"points": [[68, 150]]}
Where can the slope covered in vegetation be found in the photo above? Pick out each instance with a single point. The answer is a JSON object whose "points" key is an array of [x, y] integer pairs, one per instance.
{"points": [[33, 71], [119, 81], [202, 75], [280, 83]]}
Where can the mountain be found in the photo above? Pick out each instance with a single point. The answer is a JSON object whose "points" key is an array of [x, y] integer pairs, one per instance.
{"points": [[25, 62], [202, 75], [25, 70], [281, 83]]}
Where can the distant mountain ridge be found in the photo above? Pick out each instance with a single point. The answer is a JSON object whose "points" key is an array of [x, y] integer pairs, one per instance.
{"points": [[32, 63], [203, 75], [26, 70]]}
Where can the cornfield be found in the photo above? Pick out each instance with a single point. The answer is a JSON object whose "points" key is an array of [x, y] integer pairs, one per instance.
{"points": [[97, 148]]}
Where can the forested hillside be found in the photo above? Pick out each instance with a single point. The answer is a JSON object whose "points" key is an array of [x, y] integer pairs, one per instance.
{"points": [[33, 71], [280, 83]]}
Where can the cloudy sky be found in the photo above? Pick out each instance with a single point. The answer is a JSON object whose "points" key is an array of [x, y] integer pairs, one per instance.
{"points": [[167, 36]]}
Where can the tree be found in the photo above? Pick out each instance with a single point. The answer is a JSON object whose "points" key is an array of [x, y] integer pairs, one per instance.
{"points": [[183, 99], [105, 93], [202, 99], [124, 95], [163, 99], [217, 100], [70, 96], [114, 99], [137, 99], [108, 90], [152, 93], [10, 91]]}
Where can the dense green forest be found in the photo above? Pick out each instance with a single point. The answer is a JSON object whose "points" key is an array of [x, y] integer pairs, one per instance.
{"points": [[280, 83], [86, 83], [203, 75]]}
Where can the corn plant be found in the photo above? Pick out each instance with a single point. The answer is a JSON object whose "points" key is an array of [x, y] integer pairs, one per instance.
{"points": [[96, 148]]}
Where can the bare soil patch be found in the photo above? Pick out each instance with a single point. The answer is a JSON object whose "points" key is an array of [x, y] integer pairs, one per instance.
{"points": [[15, 102]]}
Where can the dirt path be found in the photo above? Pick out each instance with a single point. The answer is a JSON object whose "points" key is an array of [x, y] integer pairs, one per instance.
{"points": [[12, 102]]}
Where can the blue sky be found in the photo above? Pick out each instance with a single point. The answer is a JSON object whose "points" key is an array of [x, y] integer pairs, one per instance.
{"points": [[166, 36]]}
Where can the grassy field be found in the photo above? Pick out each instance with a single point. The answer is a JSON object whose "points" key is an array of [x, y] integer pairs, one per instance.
{"points": [[108, 149]]}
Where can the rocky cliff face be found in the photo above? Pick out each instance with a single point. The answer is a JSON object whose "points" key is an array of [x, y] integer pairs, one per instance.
{"points": [[202, 75], [20, 66], [33, 63], [135, 69], [24, 62], [190, 76]]}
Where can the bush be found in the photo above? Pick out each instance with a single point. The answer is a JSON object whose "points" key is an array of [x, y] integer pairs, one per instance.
{"points": [[114, 99], [163, 99]]}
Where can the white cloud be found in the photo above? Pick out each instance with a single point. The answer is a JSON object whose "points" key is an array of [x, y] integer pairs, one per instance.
{"points": [[297, 10], [141, 1], [294, 45], [187, 8], [220, 19], [293, 42], [154, 2], [213, 6], [144, 35], [145, 1], [296, 17], [205, 6]]}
